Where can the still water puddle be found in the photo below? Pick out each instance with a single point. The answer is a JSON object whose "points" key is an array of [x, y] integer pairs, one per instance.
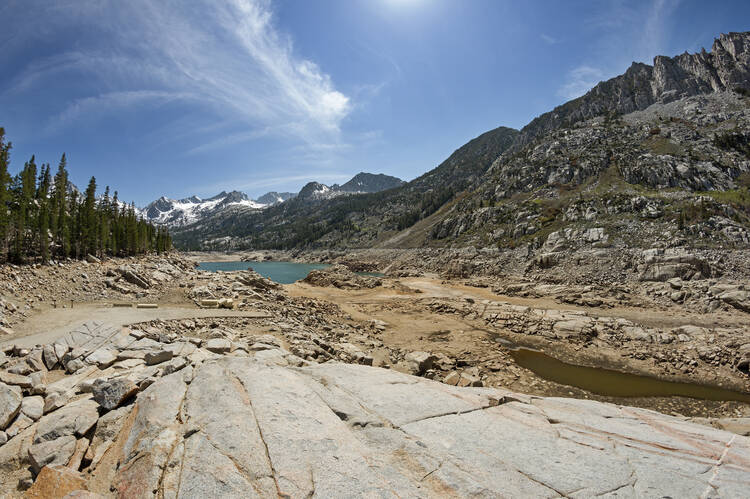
{"points": [[614, 383]]}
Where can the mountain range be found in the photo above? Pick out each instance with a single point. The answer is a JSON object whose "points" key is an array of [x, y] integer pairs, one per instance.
{"points": [[657, 155], [175, 213]]}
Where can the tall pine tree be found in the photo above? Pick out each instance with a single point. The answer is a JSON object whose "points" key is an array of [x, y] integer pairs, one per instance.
{"points": [[43, 220], [89, 225], [60, 207], [4, 184]]}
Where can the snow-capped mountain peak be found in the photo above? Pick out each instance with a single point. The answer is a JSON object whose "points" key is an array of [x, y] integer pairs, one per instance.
{"points": [[182, 212], [179, 212]]}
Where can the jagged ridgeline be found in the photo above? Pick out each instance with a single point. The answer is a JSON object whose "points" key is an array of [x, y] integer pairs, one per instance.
{"points": [[659, 154], [44, 217]]}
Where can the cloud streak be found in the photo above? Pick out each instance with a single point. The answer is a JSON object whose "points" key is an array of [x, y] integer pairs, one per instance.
{"points": [[228, 57], [99, 105], [579, 81], [549, 39]]}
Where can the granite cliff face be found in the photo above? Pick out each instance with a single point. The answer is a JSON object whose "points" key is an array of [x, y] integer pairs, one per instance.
{"points": [[726, 67]]}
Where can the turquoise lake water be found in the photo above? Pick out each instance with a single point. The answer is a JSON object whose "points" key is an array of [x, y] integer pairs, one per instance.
{"points": [[281, 272]]}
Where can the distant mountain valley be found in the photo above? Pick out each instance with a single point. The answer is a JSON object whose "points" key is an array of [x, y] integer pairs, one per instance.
{"points": [[182, 212]]}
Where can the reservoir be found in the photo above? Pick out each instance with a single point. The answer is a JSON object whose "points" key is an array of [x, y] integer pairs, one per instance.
{"points": [[281, 272]]}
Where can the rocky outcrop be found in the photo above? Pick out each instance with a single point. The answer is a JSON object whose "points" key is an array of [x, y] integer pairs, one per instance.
{"points": [[727, 66], [340, 276], [263, 422], [339, 430]]}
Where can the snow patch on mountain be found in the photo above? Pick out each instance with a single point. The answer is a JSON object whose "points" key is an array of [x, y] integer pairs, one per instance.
{"points": [[177, 213]]}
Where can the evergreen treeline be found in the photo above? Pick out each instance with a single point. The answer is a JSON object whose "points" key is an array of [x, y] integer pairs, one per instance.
{"points": [[43, 217]]}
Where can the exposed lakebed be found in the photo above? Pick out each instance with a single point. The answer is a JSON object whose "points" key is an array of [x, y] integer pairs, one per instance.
{"points": [[597, 380]]}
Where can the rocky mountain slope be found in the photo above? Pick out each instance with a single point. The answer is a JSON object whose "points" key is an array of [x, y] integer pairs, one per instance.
{"points": [[661, 151], [316, 217], [361, 183], [673, 174], [274, 197]]}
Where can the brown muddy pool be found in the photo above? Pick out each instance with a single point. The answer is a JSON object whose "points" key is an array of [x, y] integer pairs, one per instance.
{"points": [[614, 383]]}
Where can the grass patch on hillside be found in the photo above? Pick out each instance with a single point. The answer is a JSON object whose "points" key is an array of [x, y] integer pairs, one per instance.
{"points": [[663, 146], [737, 198]]}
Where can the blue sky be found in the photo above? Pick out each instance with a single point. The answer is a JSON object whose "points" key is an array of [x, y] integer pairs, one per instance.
{"points": [[197, 96]]}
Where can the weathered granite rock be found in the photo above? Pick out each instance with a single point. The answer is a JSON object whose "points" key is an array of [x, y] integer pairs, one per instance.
{"points": [[15, 379], [82, 445], [35, 360], [157, 357], [739, 299], [10, 404], [76, 418], [18, 425], [55, 481], [38, 382], [14, 455], [53, 452], [419, 362], [106, 431], [49, 356], [33, 407], [109, 393], [154, 433], [102, 357], [218, 345], [336, 430], [55, 400]]}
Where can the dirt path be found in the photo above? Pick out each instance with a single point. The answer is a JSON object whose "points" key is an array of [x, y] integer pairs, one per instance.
{"points": [[47, 325]]}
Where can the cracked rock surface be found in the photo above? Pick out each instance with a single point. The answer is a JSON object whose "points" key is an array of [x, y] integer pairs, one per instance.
{"points": [[266, 423], [244, 427]]}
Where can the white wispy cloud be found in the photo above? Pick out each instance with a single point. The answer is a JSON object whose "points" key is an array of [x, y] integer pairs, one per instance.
{"points": [[91, 107], [229, 56], [579, 81], [276, 183], [549, 39]]}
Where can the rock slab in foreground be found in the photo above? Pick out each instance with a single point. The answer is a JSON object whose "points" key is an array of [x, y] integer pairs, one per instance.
{"points": [[244, 428]]}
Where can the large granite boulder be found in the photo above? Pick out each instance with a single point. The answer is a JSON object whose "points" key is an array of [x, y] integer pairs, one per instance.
{"points": [[10, 404], [242, 427]]}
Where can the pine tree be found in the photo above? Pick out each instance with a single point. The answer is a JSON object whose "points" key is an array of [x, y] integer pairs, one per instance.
{"points": [[105, 215], [62, 224], [89, 226], [115, 231], [4, 183], [73, 224], [43, 221], [25, 187]]}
